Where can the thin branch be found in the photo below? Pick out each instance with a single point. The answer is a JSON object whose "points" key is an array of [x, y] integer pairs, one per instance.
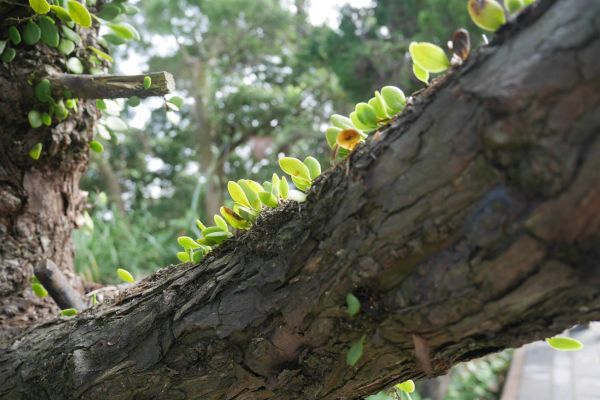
{"points": [[58, 286], [111, 86]]}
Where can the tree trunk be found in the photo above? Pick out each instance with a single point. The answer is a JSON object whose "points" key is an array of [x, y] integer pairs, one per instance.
{"points": [[470, 225], [40, 200]]}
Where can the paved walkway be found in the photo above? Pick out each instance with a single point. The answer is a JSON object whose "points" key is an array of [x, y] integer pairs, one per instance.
{"points": [[538, 372]]}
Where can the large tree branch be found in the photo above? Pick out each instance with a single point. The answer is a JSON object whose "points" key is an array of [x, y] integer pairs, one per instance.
{"points": [[470, 225]]}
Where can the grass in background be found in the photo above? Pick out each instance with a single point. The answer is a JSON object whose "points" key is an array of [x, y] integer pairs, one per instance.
{"points": [[136, 241]]}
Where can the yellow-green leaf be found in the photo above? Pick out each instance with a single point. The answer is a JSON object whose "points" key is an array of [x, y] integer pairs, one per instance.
{"points": [[35, 120], [564, 343], [406, 386], [61, 13], [68, 312], [79, 13], [420, 74], [39, 290], [183, 256], [148, 83], [394, 99], [221, 223], [268, 199], [313, 165], [237, 194], [366, 115], [125, 275], [331, 134], [486, 14], [188, 243], [429, 57], [101, 54], [294, 167], [40, 6], [96, 146], [36, 151], [284, 187]]}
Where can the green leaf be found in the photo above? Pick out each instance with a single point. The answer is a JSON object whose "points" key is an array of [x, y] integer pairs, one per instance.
{"points": [[49, 31], [133, 101], [14, 35], [3, 45], [394, 99], [183, 256], [124, 31], [352, 304], [71, 34], [115, 124], [131, 10], [100, 104], [39, 290], [339, 121], [284, 187], [96, 146], [109, 12], [366, 115], [486, 14], [233, 219], [357, 123], [61, 13], [35, 119], [36, 151], [125, 275], [429, 57], [237, 194], [68, 312], [218, 235], [379, 106], [268, 199], [564, 343], [43, 91], [101, 54], [79, 13], [8, 55], [313, 165], [177, 101], [331, 134], [421, 74], [60, 110], [513, 5], [188, 243], [200, 225], [114, 39], [406, 386], [46, 119], [31, 33], [40, 6], [301, 183], [148, 83], [221, 223], [66, 46], [75, 65], [294, 167], [251, 194], [355, 352]]}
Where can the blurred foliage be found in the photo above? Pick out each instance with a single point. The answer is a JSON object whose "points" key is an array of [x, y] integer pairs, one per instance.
{"points": [[480, 379], [259, 80]]}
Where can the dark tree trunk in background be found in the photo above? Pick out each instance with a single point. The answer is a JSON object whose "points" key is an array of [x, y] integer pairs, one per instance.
{"points": [[470, 225]]}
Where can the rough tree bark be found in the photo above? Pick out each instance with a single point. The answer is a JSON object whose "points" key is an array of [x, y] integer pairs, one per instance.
{"points": [[470, 225], [40, 200]]}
